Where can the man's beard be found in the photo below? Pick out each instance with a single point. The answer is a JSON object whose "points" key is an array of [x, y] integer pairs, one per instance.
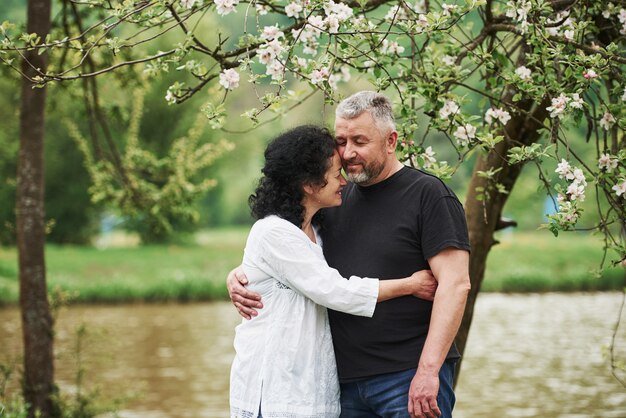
{"points": [[368, 172]]}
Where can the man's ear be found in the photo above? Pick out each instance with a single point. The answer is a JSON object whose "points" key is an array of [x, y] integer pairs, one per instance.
{"points": [[392, 141]]}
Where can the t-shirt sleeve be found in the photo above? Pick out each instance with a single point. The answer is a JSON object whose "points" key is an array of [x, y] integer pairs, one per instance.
{"points": [[443, 224], [296, 265]]}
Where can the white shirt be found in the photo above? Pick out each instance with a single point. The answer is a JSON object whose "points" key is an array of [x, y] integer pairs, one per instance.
{"points": [[284, 358]]}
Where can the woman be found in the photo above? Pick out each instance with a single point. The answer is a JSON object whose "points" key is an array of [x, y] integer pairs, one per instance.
{"points": [[284, 364]]}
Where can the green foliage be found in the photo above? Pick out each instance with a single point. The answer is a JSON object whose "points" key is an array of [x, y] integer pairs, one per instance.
{"points": [[154, 190]]}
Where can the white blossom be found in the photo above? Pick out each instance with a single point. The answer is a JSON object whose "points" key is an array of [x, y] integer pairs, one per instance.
{"points": [[569, 34], [421, 24], [391, 47], [607, 162], [607, 121], [272, 32], [449, 108], [464, 133], [576, 101], [579, 176], [188, 4], [620, 188], [448, 8], [558, 106], [576, 191], [523, 72], [318, 76], [262, 9], [397, 13], [622, 15], [420, 6], [448, 60], [276, 69], [170, 97], [564, 170], [229, 79], [341, 11], [315, 25], [293, 9], [499, 114], [429, 157], [332, 23], [225, 7]]}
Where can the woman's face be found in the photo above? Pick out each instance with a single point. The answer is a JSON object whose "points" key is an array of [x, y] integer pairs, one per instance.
{"points": [[330, 194]]}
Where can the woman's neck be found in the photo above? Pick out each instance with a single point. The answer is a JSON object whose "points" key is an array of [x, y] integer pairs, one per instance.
{"points": [[307, 225]]}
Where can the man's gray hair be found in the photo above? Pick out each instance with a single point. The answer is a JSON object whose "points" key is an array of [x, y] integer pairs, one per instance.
{"points": [[377, 104]]}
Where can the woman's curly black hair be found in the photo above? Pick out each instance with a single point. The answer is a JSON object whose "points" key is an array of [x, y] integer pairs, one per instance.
{"points": [[297, 157]]}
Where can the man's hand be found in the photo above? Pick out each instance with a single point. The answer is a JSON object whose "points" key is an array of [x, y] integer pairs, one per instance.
{"points": [[423, 395], [424, 284], [244, 300]]}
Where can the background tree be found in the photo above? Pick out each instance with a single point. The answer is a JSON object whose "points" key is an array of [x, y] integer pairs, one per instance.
{"points": [[38, 385], [492, 83]]}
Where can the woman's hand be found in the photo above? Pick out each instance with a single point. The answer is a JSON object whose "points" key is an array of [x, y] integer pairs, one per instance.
{"points": [[423, 284], [244, 300]]}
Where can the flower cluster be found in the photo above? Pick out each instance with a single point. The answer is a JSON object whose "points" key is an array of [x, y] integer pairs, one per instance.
{"points": [[576, 189], [562, 103], [428, 156], [497, 114], [225, 7], [449, 108], [562, 25], [607, 163], [523, 73], [519, 10], [464, 134], [607, 121]]}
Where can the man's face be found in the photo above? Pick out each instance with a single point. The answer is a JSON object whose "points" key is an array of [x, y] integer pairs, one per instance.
{"points": [[362, 148]]}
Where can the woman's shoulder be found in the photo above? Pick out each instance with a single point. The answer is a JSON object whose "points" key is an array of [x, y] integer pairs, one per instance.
{"points": [[274, 227]]}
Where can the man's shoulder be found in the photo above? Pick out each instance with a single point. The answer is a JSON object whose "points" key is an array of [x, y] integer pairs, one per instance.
{"points": [[427, 183]]}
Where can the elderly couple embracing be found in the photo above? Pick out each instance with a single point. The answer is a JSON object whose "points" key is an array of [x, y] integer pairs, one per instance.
{"points": [[351, 291]]}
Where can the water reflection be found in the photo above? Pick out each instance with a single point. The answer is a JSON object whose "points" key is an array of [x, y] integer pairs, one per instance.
{"points": [[527, 356]]}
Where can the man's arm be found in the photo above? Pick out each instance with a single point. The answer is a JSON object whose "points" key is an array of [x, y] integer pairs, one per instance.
{"points": [[451, 269], [244, 300]]}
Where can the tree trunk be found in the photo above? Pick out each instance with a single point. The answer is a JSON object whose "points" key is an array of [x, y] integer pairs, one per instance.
{"points": [[37, 324], [483, 215]]}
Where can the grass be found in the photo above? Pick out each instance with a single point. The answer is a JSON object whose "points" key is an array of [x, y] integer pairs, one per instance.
{"points": [[522, 262]]}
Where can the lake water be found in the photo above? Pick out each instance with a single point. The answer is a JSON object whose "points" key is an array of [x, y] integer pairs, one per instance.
{"points": [[527, 356]]}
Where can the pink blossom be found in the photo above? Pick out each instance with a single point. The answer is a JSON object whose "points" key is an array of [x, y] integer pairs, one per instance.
{"points": [[590, 74]]}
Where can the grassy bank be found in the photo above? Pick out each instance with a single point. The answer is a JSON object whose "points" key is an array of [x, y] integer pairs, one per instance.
{"points": [[522, 262]]}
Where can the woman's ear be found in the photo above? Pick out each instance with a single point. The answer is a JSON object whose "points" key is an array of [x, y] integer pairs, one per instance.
{"points": [[308, 189]]}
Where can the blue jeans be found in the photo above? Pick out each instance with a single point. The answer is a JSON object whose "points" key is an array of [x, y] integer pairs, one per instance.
{"points": [[386, 395]]}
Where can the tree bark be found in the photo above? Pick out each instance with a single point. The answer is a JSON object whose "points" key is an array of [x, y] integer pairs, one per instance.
{"points": [[37, 323], [483, 215]]}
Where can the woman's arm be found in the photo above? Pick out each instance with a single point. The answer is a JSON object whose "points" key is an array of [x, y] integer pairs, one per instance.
{"points": [[421, 284]]}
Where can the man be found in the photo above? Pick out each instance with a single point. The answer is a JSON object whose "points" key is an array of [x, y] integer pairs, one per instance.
{"points": [[393, 220]]}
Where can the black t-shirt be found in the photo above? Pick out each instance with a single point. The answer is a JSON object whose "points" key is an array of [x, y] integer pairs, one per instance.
{"points": [[389, 230]]}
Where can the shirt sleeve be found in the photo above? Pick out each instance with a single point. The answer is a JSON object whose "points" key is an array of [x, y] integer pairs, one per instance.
{"points": [[443, 225], [298, 266]]}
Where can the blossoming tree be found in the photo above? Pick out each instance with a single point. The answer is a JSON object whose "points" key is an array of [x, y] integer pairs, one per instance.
{"points": [[511, 83]]}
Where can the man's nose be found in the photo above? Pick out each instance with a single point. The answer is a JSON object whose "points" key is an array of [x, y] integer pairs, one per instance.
{"points": [[348, 152]]}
